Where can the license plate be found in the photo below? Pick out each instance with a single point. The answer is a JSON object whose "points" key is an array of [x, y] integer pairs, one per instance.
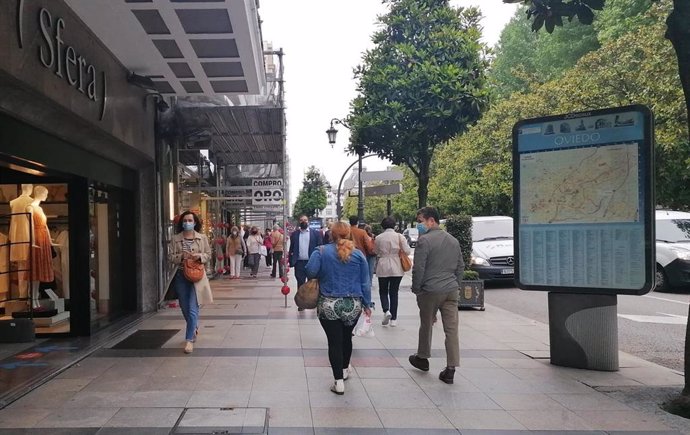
{"points": [[507, 271]]}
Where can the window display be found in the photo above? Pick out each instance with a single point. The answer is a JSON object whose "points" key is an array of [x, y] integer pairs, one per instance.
{"points": [[32, 284]]}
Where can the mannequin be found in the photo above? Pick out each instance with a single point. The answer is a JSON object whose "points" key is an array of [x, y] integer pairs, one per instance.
{"points": [[19, 233], [41, 257]]}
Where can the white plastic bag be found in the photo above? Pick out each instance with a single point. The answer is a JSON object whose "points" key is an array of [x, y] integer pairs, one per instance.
{"points": [[364, 327]]}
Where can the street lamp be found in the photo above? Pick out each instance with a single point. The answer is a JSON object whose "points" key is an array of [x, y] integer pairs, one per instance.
{"points": [[359, 149]]}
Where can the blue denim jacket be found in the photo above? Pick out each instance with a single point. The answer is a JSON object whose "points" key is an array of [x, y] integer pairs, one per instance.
{"points": [[338, 279]]}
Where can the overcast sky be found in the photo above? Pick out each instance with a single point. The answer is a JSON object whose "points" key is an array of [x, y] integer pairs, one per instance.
{"points": [[323, 41]]}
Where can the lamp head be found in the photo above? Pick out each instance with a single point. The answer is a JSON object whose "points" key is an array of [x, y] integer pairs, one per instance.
{"points": [[331, 132]]}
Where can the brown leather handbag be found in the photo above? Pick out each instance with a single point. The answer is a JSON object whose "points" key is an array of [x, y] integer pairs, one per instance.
{"points": [[193, 270], [404, 259], [307, 295]]}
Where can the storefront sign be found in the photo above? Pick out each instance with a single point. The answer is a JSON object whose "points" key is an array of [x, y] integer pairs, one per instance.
{"points": [[63, 59], [583, 195], [267, 191]]}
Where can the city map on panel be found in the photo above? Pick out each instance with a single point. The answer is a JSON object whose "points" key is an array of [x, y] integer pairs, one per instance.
{"points": [[581, 185]]}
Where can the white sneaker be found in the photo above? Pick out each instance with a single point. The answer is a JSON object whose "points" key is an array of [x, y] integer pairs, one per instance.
{"points": [[338, 387], [394, 323], [386, 318], [346, 372]]}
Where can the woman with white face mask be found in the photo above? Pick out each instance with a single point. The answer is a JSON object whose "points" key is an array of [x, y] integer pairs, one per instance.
{"points": [[190, 243]]}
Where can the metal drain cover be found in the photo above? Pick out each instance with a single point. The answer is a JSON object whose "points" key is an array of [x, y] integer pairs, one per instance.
{"points": [[222, 421]]}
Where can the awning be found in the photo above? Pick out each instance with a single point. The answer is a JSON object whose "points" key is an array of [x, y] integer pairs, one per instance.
{"points": [[188, 47], [235, 135]]}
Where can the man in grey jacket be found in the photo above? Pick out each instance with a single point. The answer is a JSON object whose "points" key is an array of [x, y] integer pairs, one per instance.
{"points": [[436, 275]]}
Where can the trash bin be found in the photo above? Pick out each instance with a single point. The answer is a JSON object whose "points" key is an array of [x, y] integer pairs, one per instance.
{"points": [[471, 294]]}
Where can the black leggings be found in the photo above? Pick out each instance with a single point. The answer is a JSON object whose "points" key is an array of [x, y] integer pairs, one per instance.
{"points": [[388, 288], [339, 345]]}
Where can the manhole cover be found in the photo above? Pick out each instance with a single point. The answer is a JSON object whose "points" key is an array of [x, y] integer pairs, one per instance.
{"points": [[222, 421]]}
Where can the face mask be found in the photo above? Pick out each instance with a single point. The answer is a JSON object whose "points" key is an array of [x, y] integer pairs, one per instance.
{"points": [[234, 233], [188, 226], [421, 228], [303, 225]]}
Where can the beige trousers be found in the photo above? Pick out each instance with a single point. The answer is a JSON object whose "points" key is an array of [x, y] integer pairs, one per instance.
{"points": [[429, 304]]}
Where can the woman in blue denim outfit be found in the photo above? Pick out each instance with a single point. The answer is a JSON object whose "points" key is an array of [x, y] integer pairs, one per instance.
{"points": [[345, 287]]}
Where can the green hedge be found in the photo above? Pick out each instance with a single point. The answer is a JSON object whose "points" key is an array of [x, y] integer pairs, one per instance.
{"points": [[460, 227]]}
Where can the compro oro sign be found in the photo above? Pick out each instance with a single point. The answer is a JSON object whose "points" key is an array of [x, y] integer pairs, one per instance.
{"points": [[267, 191], [583, 198]]}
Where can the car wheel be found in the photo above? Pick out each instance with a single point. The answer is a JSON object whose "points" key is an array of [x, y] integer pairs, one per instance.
{"points": [[661, 280]]}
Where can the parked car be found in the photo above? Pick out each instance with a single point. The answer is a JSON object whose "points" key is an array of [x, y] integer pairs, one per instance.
{"points": [[672, 249], [411, 235], [492, 248]]}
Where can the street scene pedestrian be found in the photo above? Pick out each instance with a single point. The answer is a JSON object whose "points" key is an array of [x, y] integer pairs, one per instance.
{"points": [[389, 270], [278, 242], [254, 243], [268, 244], [362, 240], [345, 293], [235, 250], [188, 243], [371, 257], [436, 276], [303, 242]]}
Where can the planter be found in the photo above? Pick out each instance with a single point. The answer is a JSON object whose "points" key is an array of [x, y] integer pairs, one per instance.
{"points": [[471, 294]]}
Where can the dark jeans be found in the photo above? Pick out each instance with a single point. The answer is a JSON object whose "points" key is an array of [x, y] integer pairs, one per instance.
{"points": [[255, 263], [278, 261], [300, 272], [339, 345], [269, 257], [388, 290]]}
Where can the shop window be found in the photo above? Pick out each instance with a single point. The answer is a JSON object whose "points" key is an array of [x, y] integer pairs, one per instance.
{"points": [[34, 255]]}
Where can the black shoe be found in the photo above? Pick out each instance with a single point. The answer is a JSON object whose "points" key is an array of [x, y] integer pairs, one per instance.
{"points": [[420, 363], [447, 375], [300, 309]]}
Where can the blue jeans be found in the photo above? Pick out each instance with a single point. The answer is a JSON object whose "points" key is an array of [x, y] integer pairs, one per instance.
{"points": [[371, 260], [186, 293]]}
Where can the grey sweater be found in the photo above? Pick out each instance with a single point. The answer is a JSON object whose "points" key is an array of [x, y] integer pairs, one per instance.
{"points": [[438, 264]]}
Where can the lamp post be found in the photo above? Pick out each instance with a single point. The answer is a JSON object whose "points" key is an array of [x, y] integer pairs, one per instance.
{"points": [[359, 149]]}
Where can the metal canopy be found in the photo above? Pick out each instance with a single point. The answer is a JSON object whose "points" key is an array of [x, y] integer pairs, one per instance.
{"points": [[236, 135], [188, 47]]}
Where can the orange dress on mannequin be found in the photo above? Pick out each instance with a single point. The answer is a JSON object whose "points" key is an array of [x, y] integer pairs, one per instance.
{"points": [[41, 255]]}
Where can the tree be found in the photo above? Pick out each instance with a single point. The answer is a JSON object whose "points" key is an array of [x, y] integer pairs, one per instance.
{"points": [[524, 58], [421, 84], [313, 196], [473, 172], [551, 12], [620, 17]]}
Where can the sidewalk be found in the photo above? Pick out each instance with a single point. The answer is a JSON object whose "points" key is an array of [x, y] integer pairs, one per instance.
{"points": [[258, 367]]}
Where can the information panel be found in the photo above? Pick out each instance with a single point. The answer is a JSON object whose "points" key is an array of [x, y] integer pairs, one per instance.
{"points": [[584, 202]]}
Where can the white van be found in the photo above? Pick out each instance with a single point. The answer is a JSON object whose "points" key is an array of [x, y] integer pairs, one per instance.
{"points": [[492, 248], [672, 249]]}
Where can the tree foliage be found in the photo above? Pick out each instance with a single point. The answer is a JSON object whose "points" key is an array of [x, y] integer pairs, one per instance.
{"points": [[313, 196], [524, 58], [620, 17], [421, 84], [473, 173]]}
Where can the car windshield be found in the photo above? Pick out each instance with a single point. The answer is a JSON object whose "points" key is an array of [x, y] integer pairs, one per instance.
{"points": [[673, 230], [492, 230], [412, 232]]}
